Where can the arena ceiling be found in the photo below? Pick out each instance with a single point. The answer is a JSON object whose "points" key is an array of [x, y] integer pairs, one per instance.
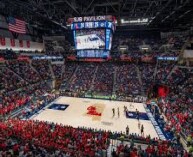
{"points": [[46, 13]]}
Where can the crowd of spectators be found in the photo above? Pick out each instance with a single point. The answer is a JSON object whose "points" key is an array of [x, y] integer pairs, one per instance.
{"points": [[103, 81], [70, 68], [43, 68], [161, 148], [169, 46], [12, 100], [132, 43], [29, 138], [9, 80], [81, 81], [178, 75], [147, 71], [21, 83], [37, 138], [103, 78], [177, 106], [58, 47], [163, 70], [176, 42], [37, 103], [127, 81], [23, 69], [96, 78], [58, 70], [8, 54]]}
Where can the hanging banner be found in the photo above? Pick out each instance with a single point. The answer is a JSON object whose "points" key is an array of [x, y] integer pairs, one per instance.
{"points": [[12, 41], [2, 41], [20, 43], [28, 43]]}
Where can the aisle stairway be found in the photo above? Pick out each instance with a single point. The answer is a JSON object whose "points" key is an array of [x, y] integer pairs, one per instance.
{"points": [[140, 80], [173, 69], [114, 79], [155, 71], [94, 76], [52, 72], [138, 75], [9, 69], [73, 74], [70, 79], [63, 70], [34, 69]]}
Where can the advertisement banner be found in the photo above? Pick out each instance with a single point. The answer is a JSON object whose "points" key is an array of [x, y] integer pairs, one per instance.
{"points": [[112, 97], [147, 59], [23, 58], [92, 18]]}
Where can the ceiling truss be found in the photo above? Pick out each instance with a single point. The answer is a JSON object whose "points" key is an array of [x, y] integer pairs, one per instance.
{"points": [[162, 12]]}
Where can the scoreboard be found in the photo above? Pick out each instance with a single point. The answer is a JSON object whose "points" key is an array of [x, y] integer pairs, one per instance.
{"points": [[90, 25], [92, 38], [93, 53]]}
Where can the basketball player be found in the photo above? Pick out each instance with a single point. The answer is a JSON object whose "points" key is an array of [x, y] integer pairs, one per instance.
{"points": [[113, 112], [142, 130], [127, 130], [125, 110], [137, 114]]}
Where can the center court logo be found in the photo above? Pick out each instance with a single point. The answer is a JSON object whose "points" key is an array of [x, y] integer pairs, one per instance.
{"points": [[95, 111]]}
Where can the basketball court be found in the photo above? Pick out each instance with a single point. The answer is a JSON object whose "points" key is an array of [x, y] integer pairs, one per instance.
{"points": [[96, 113]]}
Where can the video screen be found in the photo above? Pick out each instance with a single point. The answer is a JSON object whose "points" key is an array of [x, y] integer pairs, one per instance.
{"points": [[90, 39], [108, 39]]}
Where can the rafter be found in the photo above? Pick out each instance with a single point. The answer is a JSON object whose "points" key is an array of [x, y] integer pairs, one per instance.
{"points": [[71, 5], [112, 5], [85, 10], [37, 11]]}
